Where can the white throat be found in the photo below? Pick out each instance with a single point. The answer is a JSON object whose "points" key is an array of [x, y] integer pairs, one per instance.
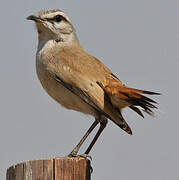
{"points": [[62, 40]]}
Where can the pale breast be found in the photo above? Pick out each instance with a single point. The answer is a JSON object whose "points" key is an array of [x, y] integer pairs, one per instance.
{"points": [[62, 95]]}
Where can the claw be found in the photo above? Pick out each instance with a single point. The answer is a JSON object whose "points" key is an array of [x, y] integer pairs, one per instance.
{"points": [[81, 155], [91, 169], [72, 155]]}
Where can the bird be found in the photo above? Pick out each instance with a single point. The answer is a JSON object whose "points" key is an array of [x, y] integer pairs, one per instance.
{"points": [[79, 81]]}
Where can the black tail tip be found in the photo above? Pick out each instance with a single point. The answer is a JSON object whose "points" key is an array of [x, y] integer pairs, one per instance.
{"points": [[151, 93]]}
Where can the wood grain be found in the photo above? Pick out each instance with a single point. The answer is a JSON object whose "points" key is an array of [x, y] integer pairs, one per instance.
{"points": [[67, 168]]}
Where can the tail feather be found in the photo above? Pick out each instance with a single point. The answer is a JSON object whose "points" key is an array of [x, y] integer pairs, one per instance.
{"points": [[133, 98], [137, 99], [121, 96], [138, 102], [137, 110], [150, 93]]}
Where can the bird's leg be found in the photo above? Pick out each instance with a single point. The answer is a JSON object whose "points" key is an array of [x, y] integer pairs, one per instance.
{"points": [[103, 123], [77, 147]]}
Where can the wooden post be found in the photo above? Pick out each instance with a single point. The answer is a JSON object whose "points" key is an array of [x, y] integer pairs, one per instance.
{"points": [[67, 168]]}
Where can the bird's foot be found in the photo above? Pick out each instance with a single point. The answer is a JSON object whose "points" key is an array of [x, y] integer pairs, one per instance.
{"points": [[86, 156], [72, 154]]}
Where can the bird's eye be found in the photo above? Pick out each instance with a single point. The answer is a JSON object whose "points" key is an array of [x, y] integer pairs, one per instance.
{"points": [[58, 18]]}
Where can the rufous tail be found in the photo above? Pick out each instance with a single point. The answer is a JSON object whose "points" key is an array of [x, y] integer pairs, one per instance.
{"points": [[122, 96]]}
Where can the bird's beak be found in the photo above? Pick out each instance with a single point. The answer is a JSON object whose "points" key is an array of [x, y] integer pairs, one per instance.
{"points": [[35, 18]]}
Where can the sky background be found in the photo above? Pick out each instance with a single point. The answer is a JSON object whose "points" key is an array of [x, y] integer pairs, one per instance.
{"points": [[139, 41]]}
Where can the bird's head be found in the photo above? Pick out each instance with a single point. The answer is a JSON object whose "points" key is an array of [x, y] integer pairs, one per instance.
{"points": [[54, 24]]}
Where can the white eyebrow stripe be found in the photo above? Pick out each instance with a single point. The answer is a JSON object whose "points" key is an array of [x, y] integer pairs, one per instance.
{"points": [[50, 15]]}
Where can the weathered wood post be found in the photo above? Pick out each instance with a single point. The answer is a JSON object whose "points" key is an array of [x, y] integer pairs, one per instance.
{"points": [[65, 168]]}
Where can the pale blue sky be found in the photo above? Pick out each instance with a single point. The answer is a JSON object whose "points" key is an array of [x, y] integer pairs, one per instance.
{"points": [[138, 40]]}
